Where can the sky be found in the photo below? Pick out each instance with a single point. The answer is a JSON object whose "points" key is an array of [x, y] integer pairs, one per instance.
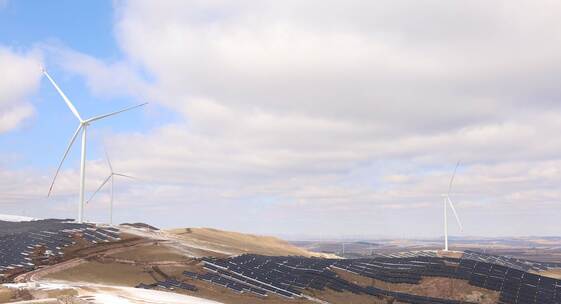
{"points": [[291, 118]]}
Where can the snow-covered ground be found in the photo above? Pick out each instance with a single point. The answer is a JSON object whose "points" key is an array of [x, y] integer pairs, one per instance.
{"points": [[15, 218], [127, 295], [105, 294]]}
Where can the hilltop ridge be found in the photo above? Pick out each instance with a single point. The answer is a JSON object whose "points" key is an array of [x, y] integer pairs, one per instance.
{"points": [[236, 243]]}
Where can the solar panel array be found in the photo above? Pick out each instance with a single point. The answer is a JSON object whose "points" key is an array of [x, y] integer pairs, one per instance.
{"points": [[406, 254], [226, 281], [400, 270], [521, 264], [516, 286], [290, 276], [512, 262], [23, 244]]}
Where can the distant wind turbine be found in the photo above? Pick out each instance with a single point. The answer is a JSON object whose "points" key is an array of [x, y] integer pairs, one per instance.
{"points": [[81, 127], [448, 201], [111, 178]]}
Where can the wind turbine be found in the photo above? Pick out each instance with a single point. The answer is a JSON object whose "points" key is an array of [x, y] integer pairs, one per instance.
{"points": [[83, 126], [448, 201], [111, 178]]}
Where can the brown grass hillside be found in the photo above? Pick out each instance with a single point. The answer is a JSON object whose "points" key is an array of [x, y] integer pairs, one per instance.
{"points": [[234, 243]]}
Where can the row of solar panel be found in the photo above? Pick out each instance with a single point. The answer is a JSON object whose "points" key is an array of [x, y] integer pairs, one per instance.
{"points": [[511, 262], [516, 286], [221, 275], [292, 273], [40, 240], [481, 274]]}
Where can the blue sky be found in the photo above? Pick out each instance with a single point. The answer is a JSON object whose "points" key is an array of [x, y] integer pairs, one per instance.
{"points": [[85, 27], [286, 119]]}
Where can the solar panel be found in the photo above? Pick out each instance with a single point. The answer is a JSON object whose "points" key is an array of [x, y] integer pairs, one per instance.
{"points": [[23, 245]]}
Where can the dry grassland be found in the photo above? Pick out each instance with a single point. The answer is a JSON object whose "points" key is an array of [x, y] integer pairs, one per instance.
{"points": [[155, 252], [234, 243]]}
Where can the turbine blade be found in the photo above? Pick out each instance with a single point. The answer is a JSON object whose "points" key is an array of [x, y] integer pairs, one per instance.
{"points": [[453, 176], [99, 188], [455, 213], [124, 175], [68, 102], [108, 160], [64, 157], [114, 113]]}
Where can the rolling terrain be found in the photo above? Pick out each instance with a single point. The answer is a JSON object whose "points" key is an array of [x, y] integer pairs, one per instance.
{"points": [[544, 249], [142, 264]]}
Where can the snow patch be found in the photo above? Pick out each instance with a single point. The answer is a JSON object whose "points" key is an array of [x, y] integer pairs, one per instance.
{"points": [[127, 295], [15, 218], [37, 286], [106, 294]]}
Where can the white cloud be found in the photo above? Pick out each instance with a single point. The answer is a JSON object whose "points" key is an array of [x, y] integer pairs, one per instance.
{"points": [[289, 101], [103, 79], [13, 116], [347, 116], [427, 67], [21, 78]]}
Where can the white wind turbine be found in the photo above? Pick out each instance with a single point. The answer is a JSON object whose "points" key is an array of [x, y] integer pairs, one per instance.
{"points": [[81, 127], [111, 178], [448, 201]]}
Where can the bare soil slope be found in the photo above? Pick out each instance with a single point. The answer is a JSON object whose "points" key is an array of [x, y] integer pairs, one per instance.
{"points": [[234, 243], [5, 295]]}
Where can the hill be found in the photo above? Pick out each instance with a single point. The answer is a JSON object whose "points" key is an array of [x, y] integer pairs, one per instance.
{"points": [[234, 243], [101, 264]]}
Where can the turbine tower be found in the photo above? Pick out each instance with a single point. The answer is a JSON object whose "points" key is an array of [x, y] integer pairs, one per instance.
{"points": [[448, 201], [83, 126], [110, 178]]}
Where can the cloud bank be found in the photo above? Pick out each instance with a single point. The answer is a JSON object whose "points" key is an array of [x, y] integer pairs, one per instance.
{"points": [[21, 78], [312, 117]]}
